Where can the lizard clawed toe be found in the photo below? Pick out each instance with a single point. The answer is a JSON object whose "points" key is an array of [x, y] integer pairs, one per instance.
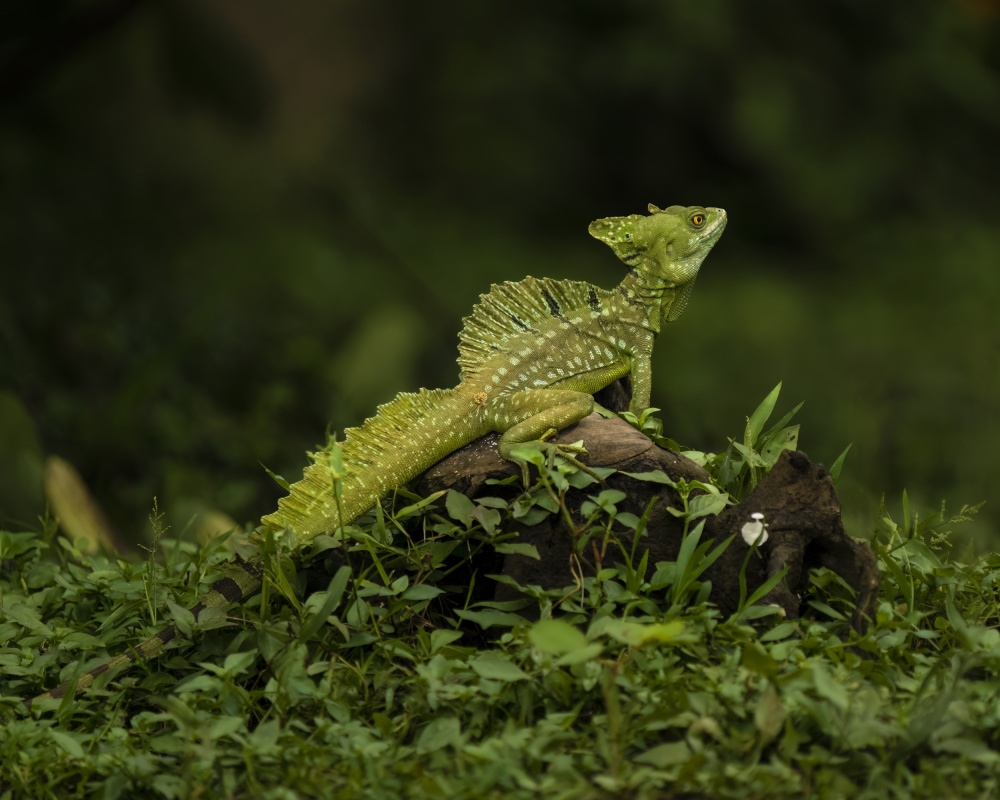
{"points": [[569, 453], [566, 452]]}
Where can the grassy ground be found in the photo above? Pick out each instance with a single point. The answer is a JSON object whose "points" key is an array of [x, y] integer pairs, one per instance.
{"points": [[392, 683]]}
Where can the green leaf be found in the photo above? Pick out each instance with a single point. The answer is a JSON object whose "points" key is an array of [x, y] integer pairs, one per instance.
{"points": [[630, 521], [637, 634], [439, 733], [487, 619], [769, 715], [838, 464], [692, 561], [533, 516], [760, 592], [28, 617], [756, 659], [442, 638], [787, 439], [602, 411], [416, 508], [662, 632], [333, 595], [704, 505], [421, 591], [688, 548], [497, 668], [757, 612], [969, 748], [488, 518], [828, 687], [750, 456], [291, 674], [201, 683], [665, 755], [67, 742], [530, 454], [238, 663], [181, 617], [892, 639], [781, 423], [277, 478], [656, 476], [755, 423], [15, 544], [459, 507], [588, 653], [556, 636], [519, 548], [491, 502], [609, 497], [212, 617], [780, 631], [819, 605]]}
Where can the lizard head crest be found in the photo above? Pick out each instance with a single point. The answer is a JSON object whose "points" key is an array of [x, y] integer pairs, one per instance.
{"points": [[668, 245]]}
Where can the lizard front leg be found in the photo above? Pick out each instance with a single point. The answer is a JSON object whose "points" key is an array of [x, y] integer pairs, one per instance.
{"points": [[531, 417], [642, 383]]}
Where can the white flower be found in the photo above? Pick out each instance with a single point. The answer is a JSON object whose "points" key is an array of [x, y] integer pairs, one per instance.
{"points": [[755, 532]]}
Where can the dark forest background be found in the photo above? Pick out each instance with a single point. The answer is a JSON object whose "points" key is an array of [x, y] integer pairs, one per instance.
{"points": [[226, 224]]}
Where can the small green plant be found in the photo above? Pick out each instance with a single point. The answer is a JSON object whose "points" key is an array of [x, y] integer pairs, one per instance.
{"points": [[745, 462], [739, 469]]}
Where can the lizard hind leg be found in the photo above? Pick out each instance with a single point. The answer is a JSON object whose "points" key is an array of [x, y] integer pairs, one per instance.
{"points": [[531, 417]]}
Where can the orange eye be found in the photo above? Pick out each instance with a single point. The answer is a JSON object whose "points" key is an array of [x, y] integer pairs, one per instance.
{"points": [[698, 220]]}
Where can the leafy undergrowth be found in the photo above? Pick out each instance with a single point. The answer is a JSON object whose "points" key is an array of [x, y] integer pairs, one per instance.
{"points": [[394, 682]]}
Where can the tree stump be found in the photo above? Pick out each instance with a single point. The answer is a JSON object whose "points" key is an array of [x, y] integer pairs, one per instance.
{"points": [[797, 499]]}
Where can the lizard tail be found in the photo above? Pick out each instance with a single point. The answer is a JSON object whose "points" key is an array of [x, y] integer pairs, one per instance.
{"points": [[405, 437], [243, 582]]}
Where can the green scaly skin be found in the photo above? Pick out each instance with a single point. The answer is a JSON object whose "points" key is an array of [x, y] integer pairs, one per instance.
{"points": [[531, 355]]}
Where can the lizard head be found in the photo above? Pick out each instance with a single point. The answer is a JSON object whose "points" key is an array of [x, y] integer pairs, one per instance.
{"points": [[667, 246]]}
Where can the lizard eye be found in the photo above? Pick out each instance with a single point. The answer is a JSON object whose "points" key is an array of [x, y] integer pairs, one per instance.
{"points": [[698, 220]]}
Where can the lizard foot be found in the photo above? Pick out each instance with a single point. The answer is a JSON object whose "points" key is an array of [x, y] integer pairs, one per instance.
{"points": [[568, 452]]}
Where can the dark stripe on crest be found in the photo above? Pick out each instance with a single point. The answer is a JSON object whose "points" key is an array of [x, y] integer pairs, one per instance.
{"points": [[516, 321], [630, 258], [554, 309], [524, 327], [592, 300], [630, 300]]}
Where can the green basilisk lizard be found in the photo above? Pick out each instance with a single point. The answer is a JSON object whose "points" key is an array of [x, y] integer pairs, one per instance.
{"points": [[531, 355]]}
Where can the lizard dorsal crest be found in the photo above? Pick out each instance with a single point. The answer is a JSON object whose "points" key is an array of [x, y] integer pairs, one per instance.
{"points": [[511, 310]]}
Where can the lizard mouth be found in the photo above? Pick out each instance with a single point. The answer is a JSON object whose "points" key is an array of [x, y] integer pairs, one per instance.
{"points": [[716, 226]]}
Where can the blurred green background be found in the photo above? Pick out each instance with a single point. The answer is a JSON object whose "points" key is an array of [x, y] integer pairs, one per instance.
{"points": [[226, 224]]}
